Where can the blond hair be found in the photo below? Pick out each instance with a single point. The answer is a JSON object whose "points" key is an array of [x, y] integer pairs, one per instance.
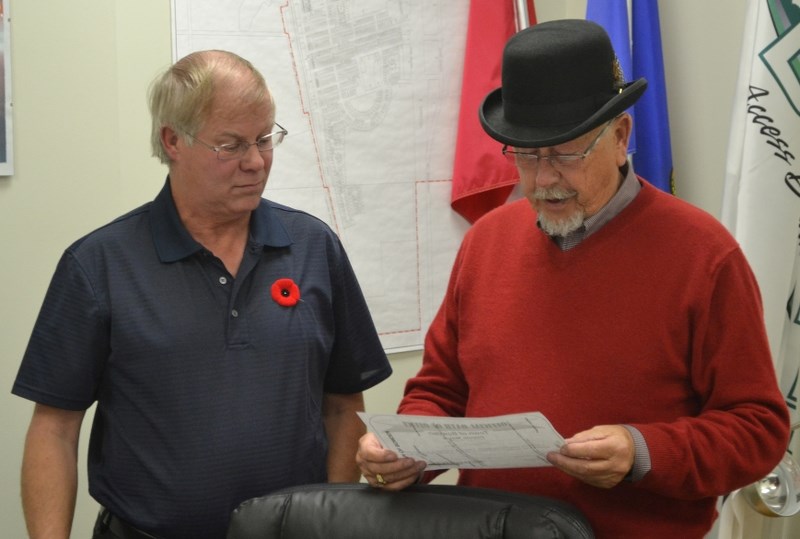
{"points": [[182, 97]]}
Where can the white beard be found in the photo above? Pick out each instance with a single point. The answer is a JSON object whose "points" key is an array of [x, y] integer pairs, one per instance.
{"points": [[565, 226]]}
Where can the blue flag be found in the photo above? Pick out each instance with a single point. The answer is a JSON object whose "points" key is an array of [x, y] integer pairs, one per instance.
{"points": [[613, 16], [653, 157], [640, 55]]}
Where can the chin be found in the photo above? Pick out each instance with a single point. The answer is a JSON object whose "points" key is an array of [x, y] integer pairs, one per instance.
{"points": [[245, 204], [253, 202], [561, 227]]}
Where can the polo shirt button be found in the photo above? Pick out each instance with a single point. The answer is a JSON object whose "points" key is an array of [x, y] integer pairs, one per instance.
{"points": [[223, 280], [234, 313]]}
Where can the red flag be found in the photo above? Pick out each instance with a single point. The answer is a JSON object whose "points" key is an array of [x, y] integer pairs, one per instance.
{"points": [[482, 178]]}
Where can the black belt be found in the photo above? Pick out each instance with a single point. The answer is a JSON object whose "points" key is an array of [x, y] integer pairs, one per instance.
{"points": [[122, 529]]}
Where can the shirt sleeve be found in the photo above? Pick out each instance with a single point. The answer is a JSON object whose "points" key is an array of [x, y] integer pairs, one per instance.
{"points": [[439, 388], [69, 344], [724, 446], [358, 360], [641, 457]]}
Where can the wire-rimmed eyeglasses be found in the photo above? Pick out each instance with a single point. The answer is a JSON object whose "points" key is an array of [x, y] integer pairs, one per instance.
{"points": [[237, 150], [560, 161]]}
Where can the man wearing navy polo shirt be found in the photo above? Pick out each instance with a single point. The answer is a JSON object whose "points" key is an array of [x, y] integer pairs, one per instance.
{"points": [[224, 337]]}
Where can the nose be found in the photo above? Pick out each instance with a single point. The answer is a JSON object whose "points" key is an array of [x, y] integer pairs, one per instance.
{"points": [[546, 174], [255, 160]]}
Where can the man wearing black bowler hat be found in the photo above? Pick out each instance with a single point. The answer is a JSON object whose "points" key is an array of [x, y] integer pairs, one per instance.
{"points": [[628, 317]]}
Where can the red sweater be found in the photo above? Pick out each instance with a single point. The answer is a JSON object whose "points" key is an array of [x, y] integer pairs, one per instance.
{"points": [[654, 321]]}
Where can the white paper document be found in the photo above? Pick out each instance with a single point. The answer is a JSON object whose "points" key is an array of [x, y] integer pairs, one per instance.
{"points": [[508, 441]]}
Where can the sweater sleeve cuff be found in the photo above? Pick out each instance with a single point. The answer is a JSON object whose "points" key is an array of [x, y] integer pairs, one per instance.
{"points": [[641, 457]]}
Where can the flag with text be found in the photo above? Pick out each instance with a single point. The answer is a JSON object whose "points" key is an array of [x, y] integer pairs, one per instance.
{"points": [[761, 202]]}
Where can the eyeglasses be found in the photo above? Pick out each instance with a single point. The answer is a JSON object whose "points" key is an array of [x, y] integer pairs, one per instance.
{"points": [[237, 150], [560, 161]]}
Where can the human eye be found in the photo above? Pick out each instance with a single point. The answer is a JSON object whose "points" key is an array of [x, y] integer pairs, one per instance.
{"points": [[264, 143], [526, 156], [230, 150], [524, 159], [567, 159]]}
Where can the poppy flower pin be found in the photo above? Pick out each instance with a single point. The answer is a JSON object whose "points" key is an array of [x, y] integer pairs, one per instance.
{"points": [[285, 292]]}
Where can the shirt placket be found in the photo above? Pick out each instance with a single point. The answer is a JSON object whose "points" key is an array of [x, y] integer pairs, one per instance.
{"points": [[237, 334]]}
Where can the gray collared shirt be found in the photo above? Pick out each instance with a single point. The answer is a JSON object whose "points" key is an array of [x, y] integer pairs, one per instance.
{"points": [[625, 194]]}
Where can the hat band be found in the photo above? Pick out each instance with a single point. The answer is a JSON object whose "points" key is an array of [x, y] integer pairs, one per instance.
{"points": [[556, 114]]}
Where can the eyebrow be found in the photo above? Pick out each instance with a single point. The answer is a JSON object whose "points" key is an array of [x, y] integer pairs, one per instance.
{"points": [[239, 138]]}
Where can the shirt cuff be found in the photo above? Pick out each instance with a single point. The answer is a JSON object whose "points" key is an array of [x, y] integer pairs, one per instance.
{"points": [[641, 456]]}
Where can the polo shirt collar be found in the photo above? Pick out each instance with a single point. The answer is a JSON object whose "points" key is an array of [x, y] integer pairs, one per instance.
{"points": [[266, 229], [173, 242]]}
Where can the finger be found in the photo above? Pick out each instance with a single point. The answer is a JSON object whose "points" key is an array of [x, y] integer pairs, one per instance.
{"points": [[600, 473], [370, 450], [393, 481], [595, 433], [594, 449], [397, 470], [393, 477]]}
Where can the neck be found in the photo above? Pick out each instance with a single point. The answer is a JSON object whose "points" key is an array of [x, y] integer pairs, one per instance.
{"points": [[227, 239]]}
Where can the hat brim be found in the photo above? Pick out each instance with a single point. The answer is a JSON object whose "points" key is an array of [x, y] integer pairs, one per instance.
{"points": [[500, 128]]}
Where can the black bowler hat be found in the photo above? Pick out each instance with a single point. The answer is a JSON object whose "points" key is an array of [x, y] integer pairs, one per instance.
{"points": [[558, 83]]}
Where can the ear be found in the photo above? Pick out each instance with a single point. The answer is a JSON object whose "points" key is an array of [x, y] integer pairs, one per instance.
{"points": [[169, 141], [622, 134]]}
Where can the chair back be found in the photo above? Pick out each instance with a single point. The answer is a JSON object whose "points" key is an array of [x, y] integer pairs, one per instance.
{"points": [[358, 511]]}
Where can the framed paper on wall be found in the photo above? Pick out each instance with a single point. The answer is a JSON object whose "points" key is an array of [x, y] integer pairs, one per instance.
{"points": [[6, 146]]}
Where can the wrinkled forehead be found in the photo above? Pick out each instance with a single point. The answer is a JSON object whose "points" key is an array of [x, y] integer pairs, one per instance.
{"points": [[240, 98]]}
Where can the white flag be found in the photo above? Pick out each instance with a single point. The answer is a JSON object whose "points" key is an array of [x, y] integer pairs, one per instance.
{"points": [[761, 201]]}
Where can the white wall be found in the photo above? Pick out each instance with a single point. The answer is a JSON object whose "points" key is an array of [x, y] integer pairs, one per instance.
{"points": [[80, 70]]}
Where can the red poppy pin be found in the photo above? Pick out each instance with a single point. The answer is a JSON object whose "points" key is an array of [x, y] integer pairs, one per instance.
{"points": [[285, 292]]}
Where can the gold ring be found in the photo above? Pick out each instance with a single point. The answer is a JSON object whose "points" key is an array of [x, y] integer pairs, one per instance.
{"points": [[379, 478]]}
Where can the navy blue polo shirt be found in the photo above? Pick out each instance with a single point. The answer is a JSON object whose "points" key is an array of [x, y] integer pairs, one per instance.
{"points": [[208, 390]]}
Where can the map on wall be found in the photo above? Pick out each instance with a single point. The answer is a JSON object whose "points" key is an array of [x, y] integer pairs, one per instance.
{"points": [[369, 91]]}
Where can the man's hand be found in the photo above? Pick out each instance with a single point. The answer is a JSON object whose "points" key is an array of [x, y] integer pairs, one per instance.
{"points": [[601, 456], [382, 468]]}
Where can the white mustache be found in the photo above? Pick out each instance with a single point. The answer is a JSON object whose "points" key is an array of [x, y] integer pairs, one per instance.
{"points": [[553, 193]]}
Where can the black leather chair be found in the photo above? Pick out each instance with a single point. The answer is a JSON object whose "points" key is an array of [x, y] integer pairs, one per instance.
{"points": [[358, 511]]}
